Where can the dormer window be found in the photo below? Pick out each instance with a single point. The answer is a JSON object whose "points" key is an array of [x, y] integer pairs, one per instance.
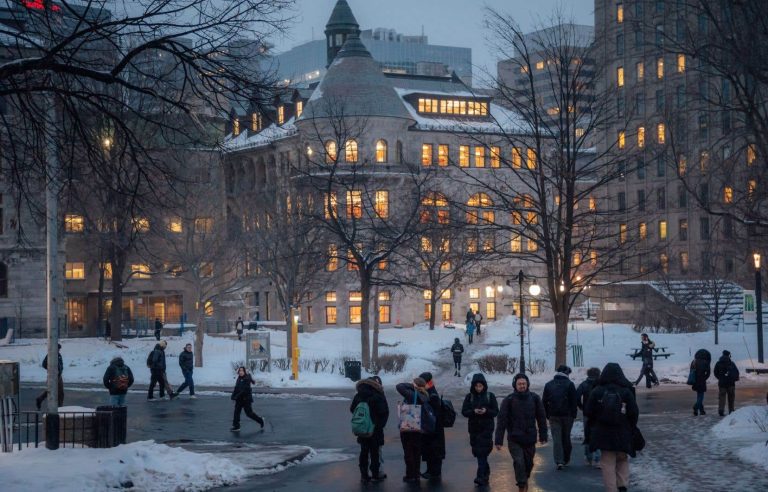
{"points": [[280, 114], [299, 108], [256, 122], [235, 127], [457, 107]]}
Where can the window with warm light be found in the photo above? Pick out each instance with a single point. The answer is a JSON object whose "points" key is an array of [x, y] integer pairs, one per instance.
{"points": [[74, 223], [445, 311], [727, 194], [620, 76], [517, 158], [330, 315], [385, 314], [533, 309], [531, 159], [474, 293], [662, 229], [140, 271], [330, 296], [661, 133], [427, 294], [495, 157], [203, 225], [427, 311], [381, 151], [354, 204], [579, 132], [74, 270], [446, 295], [533, 246], [592, 203], [643, 231], [751, 188], [479, 156], [619, 13], [751, 154], [641, 137], [141, 224], [299, 108], [490, 310], [381, 204], [622, 233], [442, 155], [385, 296], [660, 68], [463, 155], [235, 127], [331, 152], [352, 265], [516, 243], [682, 165], [680, 63], [107, 269], [593, 258], [350, 151], [176, 225], [540, 65], [621, 141], [256, 122], [333, 259], [426, 244], [426, 155], [280, 115], [355, 296], [331, 205], [640, 70]]}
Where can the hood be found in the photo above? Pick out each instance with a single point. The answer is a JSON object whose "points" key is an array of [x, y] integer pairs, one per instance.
{"points": [[612, 374], [368, 384], [117, 361], [725, 358], [456, 341], [561, 375], [478, 378], [521, 376], [703, 354]]}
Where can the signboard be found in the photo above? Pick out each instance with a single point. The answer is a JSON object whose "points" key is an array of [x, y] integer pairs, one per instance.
{"points": [[258, 347], [749, 301]]}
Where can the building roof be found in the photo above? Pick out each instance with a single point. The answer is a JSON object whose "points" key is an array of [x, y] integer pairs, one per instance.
{"points": [[342, 18]]}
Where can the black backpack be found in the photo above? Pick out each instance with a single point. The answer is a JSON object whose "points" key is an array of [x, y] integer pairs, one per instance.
{"points": [[610, 408], [447, 413]]}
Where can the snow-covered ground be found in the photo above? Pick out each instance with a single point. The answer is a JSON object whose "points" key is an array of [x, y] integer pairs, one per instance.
{"points": [[747, 428]]}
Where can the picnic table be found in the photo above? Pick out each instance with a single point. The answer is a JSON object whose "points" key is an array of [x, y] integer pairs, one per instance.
{"points": [[657, 352]]}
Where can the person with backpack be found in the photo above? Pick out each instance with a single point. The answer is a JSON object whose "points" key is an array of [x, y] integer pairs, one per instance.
{"points": [[158, 328], [433, 445], [727, 374], [647, 348], [521, 413], [613, 414], [156, 365], [239, 328], [582, 396], [369, 417], [414, 394], [457, 349], [382, 475], [117, 379], [42, 396], [480, 408], [697, 378], [561, 408], [470, 330], [243, 398], [187, 364], [478, 321]]}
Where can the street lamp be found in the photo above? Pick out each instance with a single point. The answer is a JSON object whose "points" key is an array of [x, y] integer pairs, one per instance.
{"points": [[534, 290], [759, 302]]}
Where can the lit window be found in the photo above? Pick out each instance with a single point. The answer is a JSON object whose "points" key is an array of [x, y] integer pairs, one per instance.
{"points": [[175, 225], [381, 204], [682, 165], [662, 229], [427, 294], [474, 293], [355, 315], [727, 194], [208, 308], [531, 158], [660, 68], [463, 155], [442, 155], [532, 245], [579, 132], [333, 259], [426, 155], [351, 261], [495, 157], [593, 258], [426, 244], [330, 296], [350, 151], [74, 223], [620, 76], [355, 296], [446, 295], [107, 268], [592, 203], [479, 156], [74, 271], [330, 315], [517, 158], [533, 308], [680, 63], [622, 233], [331, 205], [471, 245], [428, 105], [280, 115], [540, 65], [385, 296], [299, 108], [206, 270], [641, 137], [256, 122], [445, 312], [640, 68], [141, 224], [490, 310], [643, 232], [381, 151], [661, 136], [385, 314], [354, 204], [236, 127], [331, 153], [517, 244], [619, 13], [751, 188], [751, 154], [622, 140], [203, 225], [140, 270]]}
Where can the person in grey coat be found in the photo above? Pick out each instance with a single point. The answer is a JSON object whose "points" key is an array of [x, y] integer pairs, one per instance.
{"points": [[561, 407]]}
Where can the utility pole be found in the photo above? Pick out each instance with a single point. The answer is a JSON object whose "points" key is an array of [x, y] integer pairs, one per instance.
{"points": [[52, 280], [295, 344]]}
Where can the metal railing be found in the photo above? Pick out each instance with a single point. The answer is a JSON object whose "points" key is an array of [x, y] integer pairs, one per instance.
{"points": [[93, 429]]}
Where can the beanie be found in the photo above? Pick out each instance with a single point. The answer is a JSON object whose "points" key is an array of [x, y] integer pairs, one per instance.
{"points": [[726, 353], [564, 369], [426, 376]]}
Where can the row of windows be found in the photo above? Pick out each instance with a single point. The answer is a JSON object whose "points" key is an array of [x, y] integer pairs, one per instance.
{"points": [[356, 315], [76, 270], [705, 231], [452, 107], [477, 156], [75, 224], [640, 70], [682, 165], [379, 199]]}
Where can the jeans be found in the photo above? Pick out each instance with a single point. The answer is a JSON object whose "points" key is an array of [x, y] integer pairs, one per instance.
{"points": [[699, 405], [591, 457], [522, 460], [117, 400], [158, 377], [723, 393], [187, 382], [650, 375], [245, 405], [615, 468], [369, 448], [483, 468], [561, 438], [469, 336]]}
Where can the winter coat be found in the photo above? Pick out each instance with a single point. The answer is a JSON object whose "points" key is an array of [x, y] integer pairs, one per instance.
{"points": [[457, 349], [117, 368], [186, 361], [242, 392], [646, 351], [583, 391], [158, 325], [560, 397], [520, 414], [701, 365], [608, 437], [371, 392], [470, 317], [726, 372], [61, 364], [156, 361], [407, 390], [480, 427], [433, 445], [470, 327]]}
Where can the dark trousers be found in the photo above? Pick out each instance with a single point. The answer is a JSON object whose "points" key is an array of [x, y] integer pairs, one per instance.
{"points": [[478, 327], [469, 336], [434, 466], [158, 377], [369, 449], [457, 363], [42, 396], [561, 438], [157, 335], [650, 375], [699, 405], [522, 459], [188, 381], [723, 393], [483, 468], [412, 453], [245, 405]]}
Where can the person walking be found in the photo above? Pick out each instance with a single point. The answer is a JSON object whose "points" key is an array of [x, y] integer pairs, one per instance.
{"points": [[411, 441], [700, 369], [480, 408], [470, 330], [42, 396], [239, 325], [158, 328], [561, 407], [647, 347], [613, 413], [520, 415], [727, 374], [156, 365], [433, 445], [582, 396], [243, 398], [382, 475], [371, 393], [117, 379], [478, 321], [187, 364], [457, 349]]}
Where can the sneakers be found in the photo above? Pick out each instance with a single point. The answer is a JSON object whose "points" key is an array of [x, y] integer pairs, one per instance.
{"points": [[702, 412], [235, 428], [172, 395], [261, 422], [560, 466], [192, 397]]}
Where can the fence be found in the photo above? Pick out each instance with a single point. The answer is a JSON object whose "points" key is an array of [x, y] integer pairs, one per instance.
{"points": [[94, 429]]}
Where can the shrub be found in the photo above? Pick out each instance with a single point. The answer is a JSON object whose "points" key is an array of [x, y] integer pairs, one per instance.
{"points": [[536, 366], [497, 364], [389, 364]]}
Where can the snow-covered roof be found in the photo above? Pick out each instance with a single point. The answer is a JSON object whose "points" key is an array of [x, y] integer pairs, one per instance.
{"points": [[270, 134]]}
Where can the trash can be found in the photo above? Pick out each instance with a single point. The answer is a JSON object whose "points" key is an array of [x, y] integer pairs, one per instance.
{"points": [[352, 369], [111, 426]]}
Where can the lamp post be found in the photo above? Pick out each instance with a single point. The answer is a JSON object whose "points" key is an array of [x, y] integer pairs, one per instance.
{"points": [[295, 343], [759, 306], [534, 291]]}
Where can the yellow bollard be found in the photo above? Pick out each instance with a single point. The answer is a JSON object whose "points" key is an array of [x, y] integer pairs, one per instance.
{"points": [[295, 344]]}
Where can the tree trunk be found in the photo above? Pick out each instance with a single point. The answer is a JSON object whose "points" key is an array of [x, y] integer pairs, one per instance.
{"points": [[365, 342], [116, 316], [199, 336], [375, 346], [717, 322], [561, 332], [100, 301], [432, 307], [288, 338]]}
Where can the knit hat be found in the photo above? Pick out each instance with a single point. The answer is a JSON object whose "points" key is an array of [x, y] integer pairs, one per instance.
{"points": [[426, 376], [419, 383], [564, 369], [726, 353], [163, 343]]}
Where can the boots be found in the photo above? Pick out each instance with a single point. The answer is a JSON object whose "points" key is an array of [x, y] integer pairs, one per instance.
{"points": [[695, 411]]}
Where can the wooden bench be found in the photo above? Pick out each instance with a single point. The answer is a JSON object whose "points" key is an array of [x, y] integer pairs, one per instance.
{"points": [[637, 353]]}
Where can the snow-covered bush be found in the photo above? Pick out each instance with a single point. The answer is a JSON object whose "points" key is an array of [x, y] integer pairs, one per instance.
{"points": [[389, 364], [497, 364]]}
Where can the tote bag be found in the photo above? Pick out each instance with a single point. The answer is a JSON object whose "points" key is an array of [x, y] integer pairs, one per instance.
{"points": [[409, 415]]}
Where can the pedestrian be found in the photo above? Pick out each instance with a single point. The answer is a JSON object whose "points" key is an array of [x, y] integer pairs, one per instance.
{"points": [[370, 392], [158, 328], [457, 349], [239, 328], [156, 365], [480, 408], [42, 396], [727, 374], [700, 370], [470, 327], [582, 396], [560, 407], [411, 440], [647, 347], [382, 475], [243, 398], [433, 445], [117, 379], [521, 413], [613, 413], [187, 364], [478, 321]]}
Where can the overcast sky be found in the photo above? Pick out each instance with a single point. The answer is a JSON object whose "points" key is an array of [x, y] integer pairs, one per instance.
{"points": [[445, 22]]}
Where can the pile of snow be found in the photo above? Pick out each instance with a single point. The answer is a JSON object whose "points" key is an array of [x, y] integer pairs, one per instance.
{"points": [[143, 465], [748, 428]]}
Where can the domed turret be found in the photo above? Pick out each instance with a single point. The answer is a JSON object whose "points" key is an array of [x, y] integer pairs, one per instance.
{"points": [[340, 26]]}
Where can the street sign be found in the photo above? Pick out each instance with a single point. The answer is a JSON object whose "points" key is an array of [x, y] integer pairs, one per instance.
{"points": [[258, 347]]}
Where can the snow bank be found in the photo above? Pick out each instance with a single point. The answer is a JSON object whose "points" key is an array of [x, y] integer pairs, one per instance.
{"points": [[144, 466], [744, 423], [756, 454]]}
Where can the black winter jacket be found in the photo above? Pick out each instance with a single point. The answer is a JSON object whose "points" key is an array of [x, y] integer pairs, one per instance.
{"points": [[116, 368], [371, 392], [156, 361], [407, 390], [242, 392], [520, 415], [480, 427], [186, 361], [433, 445], [61, 364], [457, 349], [726, 372], [583, 391], [701, 365], [612, 437], [646, 350], [560, 397]]}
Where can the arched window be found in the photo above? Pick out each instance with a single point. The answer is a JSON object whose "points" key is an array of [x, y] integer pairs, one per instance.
{"points": [[480, 201], [3, 280], [350, 151], [381, 151], [331, 152], [435, 207]]}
